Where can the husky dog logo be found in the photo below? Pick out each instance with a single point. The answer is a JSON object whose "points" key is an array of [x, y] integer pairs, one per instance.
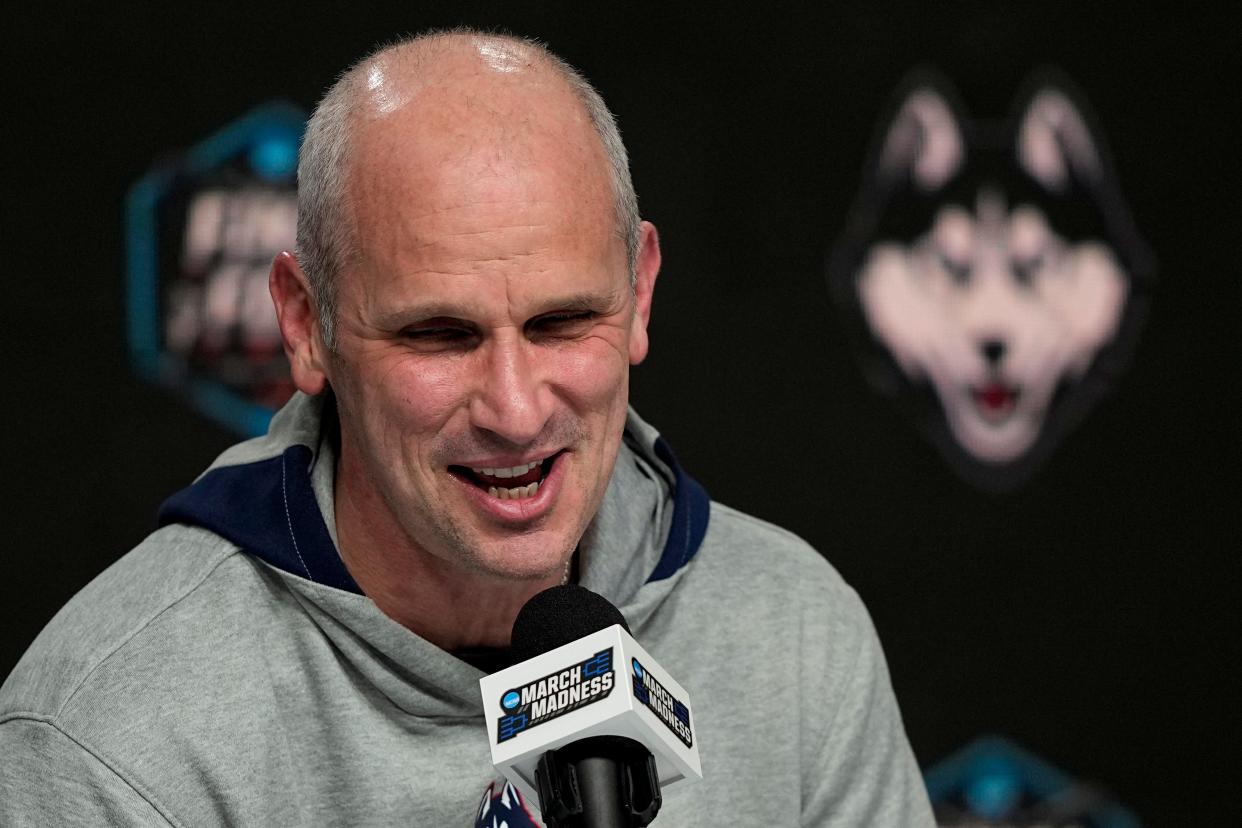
{"points": [[993, 272]]}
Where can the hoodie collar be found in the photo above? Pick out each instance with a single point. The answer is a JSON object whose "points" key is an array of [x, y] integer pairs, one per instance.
{"points": [[272, 497]]}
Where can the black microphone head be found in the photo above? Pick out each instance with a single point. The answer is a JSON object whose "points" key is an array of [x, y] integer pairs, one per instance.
{"points": [[559, 615]]}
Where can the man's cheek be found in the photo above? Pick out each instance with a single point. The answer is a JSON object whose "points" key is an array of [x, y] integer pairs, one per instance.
{"points": [[426, 391], [595, 364]]}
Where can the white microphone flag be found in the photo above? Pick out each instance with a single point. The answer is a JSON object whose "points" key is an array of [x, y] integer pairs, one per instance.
{"points": [[604, 684]]}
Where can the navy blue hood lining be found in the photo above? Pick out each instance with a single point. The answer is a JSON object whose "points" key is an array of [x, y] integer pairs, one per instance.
{"points": [[268, 509], [691, 509]]}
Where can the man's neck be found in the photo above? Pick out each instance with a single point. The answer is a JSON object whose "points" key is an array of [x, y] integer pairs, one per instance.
{"points": [[445, 603]]}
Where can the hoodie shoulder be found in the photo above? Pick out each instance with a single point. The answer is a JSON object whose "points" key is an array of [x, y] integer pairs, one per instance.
{"points": [[108, 613], [771, 581], [764, 553]]}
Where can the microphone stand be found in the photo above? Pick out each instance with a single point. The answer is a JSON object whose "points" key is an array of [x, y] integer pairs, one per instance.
{"points": [[598, 782]]}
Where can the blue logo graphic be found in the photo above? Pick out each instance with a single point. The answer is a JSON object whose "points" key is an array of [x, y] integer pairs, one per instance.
{"points": [[201, 231], [599, 664], [638, 668], [511, 700], [510, 726], [994, 782], [274, 154]]}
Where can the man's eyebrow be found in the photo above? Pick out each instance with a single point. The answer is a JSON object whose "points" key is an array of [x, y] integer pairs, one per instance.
{"points": [[425, 311], [581, 302], [468, 311]]}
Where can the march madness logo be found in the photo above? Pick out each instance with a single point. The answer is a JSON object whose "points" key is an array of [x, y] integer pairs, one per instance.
{"points": [[992, 273], [674, 714], [555, 695]]}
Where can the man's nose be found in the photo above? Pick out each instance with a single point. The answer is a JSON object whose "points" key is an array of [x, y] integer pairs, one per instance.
{"points": [[511, 400]]}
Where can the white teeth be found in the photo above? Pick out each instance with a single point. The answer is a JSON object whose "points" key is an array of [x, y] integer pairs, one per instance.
{"points": [[514, 471], [516, 493]]}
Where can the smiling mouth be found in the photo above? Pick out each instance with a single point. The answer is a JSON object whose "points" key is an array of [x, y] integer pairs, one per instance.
{"points": [[513, 483]]}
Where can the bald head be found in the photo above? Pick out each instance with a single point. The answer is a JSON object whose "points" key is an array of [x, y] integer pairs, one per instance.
{"points": [[450, 112]]}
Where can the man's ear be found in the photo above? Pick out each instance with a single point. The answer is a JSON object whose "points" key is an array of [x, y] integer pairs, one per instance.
{"points": [[299, 323], [646, 268]]}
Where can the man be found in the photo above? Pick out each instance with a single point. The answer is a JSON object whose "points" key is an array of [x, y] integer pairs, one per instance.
{"points": [[301, 643]]}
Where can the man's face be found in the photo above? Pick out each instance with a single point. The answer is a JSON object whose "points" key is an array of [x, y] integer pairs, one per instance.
{"points": [[486, 332]]}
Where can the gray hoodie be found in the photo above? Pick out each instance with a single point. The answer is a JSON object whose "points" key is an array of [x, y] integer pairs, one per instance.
{"points": [[229, 671]]}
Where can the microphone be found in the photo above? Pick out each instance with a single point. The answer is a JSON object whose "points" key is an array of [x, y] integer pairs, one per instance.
{"points": [[587, 722]]}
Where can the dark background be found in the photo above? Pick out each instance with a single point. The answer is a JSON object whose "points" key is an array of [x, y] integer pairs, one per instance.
{"points": [[1090, 615]]}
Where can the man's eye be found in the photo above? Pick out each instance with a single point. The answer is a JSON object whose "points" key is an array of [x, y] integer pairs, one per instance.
{"points": [[561, 324], [436, 333], [438, 337]]}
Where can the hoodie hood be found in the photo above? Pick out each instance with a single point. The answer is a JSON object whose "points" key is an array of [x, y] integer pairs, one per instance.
{"points": [[273, 497]]}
